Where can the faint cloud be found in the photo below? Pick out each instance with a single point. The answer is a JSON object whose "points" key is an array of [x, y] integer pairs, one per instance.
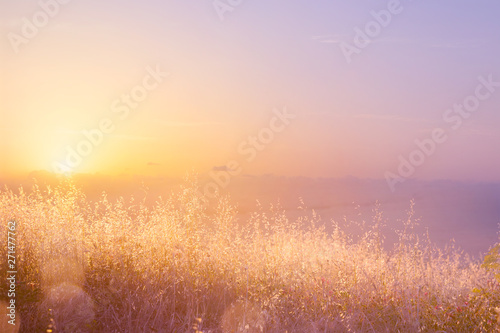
{"points": [[395, 40], [221, 168], [190, 124], [337, 39], [467, 132], [481, 132], [367, 116], [133, 137], [436, 44], [458, 44], [329, 39], [316, 113], [390, 117], [71, 132]]}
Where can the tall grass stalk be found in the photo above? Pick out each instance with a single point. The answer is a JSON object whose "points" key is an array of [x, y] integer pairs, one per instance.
{"points": [[124, 266]]}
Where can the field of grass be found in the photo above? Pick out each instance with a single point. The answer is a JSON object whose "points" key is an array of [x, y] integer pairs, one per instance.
{"points": [[181, 266]]}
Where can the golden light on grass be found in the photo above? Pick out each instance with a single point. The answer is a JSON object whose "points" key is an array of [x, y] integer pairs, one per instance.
{"points": [[123, 266], [62, 269]]}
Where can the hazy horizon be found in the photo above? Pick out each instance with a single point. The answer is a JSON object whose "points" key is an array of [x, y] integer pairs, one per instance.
{"points": [[468, 212]]}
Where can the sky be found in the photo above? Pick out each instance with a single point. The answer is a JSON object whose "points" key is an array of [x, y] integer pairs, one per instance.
{"points": [[291, 88]]}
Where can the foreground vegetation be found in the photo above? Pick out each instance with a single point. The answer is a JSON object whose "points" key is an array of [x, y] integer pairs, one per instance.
{"points": [[181, 267]]}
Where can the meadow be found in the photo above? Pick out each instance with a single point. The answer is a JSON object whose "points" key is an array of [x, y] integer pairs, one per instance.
{"points": [[184, 266]]}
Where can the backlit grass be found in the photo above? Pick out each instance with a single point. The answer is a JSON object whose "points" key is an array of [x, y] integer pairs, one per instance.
{"points": [[182, 266]]}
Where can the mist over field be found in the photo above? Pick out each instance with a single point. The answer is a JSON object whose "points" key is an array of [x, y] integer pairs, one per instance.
{"points": [[466, 212]]}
